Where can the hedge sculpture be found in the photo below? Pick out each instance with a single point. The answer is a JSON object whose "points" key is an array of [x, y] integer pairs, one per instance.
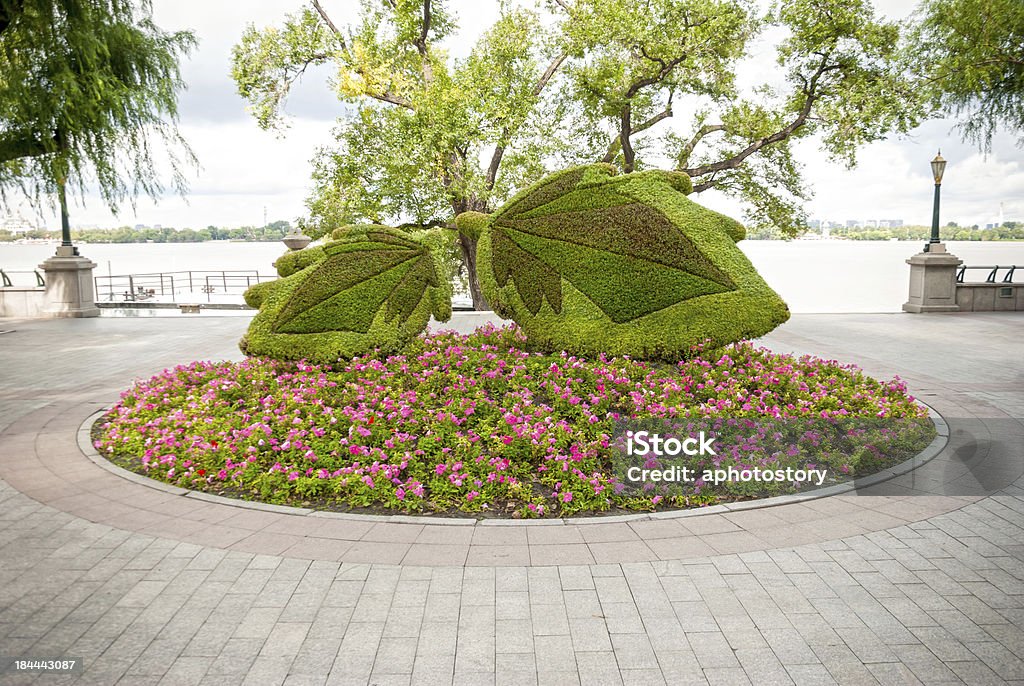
{"points": [[346, 298], [590, 262], [584, 261]]}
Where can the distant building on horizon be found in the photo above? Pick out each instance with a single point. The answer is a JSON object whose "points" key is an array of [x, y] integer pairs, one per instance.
{"points": [[16, 224]]}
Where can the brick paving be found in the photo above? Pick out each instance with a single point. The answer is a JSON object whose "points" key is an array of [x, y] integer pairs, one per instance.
{"points": [[919, 579]]}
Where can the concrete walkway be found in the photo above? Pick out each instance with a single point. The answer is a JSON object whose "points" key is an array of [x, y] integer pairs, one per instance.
{"points": [[920, 578]]}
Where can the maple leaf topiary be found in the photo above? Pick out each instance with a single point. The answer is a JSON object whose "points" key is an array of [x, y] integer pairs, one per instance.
{"points": [[346, 298], [590, 262]]}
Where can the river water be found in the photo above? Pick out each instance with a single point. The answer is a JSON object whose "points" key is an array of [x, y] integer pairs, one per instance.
{"points": [[812, 276]]}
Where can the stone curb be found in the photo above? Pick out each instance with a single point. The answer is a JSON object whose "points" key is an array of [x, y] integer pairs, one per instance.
{"points": [[929, 453]]}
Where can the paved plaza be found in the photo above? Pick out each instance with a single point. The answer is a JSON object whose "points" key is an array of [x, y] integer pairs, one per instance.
{"points": [[919, 579]]}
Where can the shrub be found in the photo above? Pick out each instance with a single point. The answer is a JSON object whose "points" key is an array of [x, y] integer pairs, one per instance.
{"points": [[589, 262], [471, 224], [346, 298], [354, 231]]}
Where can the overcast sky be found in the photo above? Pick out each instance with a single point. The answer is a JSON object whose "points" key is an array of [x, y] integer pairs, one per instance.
{"points": [[245, 170]]}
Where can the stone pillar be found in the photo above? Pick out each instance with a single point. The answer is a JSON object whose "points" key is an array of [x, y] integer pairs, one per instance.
{"points": [[69, 285], [933, 281]]}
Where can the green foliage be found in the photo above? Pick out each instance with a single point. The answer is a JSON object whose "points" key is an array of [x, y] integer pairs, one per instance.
{"points": [[471, 224], [628, 66], [346, 298], [353, 232], [970, 54], [846, 84], [264, 64], [85, 86], [295, 261], [593, 263], [414, 144], [426, 136]]}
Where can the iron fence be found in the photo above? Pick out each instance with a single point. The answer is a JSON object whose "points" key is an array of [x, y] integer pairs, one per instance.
{"points": [[172, 286], [7, 282], [993, 272]]}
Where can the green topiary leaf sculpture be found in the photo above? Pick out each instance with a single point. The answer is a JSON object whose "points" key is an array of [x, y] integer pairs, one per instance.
{"points": [[590, 262], [346, 298], [584, 261]]}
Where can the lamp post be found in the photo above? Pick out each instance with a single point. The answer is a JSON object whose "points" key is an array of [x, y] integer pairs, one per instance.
{"points": [[938, 168], [933, 285]]}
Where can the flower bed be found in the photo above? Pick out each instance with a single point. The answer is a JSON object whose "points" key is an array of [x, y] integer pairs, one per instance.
{"points": [[475, 424]]}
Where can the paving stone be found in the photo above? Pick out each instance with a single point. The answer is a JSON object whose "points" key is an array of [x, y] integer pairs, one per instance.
{"points": [[164, 589], [598, 668]]}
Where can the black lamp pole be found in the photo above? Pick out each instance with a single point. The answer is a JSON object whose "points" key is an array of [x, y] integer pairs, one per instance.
{"points": [[65, 225], [938, 167], [62, 182]]}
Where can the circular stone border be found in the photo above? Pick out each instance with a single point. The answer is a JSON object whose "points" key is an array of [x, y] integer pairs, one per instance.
{"points": [[84, 437]]}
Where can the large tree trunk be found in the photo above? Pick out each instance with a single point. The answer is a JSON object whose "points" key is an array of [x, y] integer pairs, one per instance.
{"points": [[468, 247]]}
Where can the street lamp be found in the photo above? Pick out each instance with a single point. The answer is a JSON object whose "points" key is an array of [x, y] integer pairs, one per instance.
{"points": [[938, 167]]}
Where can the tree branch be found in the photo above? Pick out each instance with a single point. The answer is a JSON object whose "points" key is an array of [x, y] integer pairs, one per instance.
{"points": [[660, 116], [542, 82], [422, 42], [386, 96], [707, 129], [499, 148], [392, 99], [330, 24], [666, 69], [625, 128], [734, 162], [616, 144]]}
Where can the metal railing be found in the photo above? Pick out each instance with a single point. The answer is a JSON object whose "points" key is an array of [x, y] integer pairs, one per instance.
{"points": [[992, 274], [171, 285], [6, 282]]}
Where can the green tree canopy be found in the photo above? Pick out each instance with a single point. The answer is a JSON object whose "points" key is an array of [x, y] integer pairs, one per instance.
{"points": [[970, 54], [86, 86], [427, 135]]}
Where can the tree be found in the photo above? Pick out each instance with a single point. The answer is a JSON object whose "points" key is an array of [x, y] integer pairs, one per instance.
{"points": [[85, 85], [844, 84], [427, 136], [970, 55]]}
